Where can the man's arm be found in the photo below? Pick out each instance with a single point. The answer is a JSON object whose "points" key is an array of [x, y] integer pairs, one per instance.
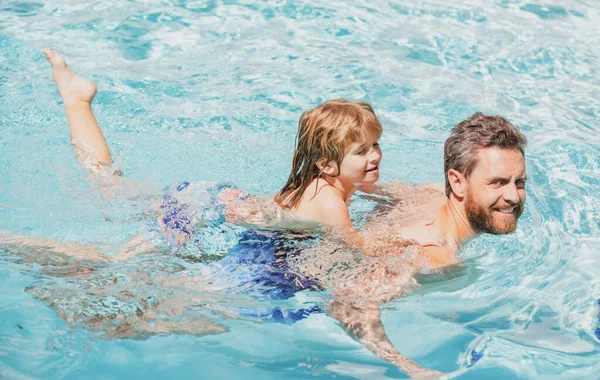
{"points": [[364, 323]]}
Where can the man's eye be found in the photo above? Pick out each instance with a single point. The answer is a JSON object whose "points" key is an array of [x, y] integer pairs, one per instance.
{"points": [[520, 184]]}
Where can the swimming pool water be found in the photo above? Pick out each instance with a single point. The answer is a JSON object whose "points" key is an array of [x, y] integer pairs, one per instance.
{"points": [[212, 90]]}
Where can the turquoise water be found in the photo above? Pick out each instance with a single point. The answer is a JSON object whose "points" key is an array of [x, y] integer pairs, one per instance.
{"points": [[212, 90]]}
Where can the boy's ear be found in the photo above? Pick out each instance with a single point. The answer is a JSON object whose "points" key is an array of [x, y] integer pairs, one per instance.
{"points": [[330, 168], [458, 183]]}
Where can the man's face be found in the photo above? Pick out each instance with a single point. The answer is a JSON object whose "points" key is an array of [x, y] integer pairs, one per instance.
{"points": [[495, 195]]}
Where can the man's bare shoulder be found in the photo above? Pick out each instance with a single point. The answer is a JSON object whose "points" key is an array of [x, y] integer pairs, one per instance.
{"points": [[439, 256]]}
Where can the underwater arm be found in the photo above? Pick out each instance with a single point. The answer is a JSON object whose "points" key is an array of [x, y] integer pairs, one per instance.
{"points": [[393, 194], [380, 239], [370, 188], [364, 323]]}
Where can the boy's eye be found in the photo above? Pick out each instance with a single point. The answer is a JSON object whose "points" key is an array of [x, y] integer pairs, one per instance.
{"points": [[362, 151], [376, 144]]}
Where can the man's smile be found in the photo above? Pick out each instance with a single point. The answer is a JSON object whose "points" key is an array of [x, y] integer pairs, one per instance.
{"points": [[507, 210]]}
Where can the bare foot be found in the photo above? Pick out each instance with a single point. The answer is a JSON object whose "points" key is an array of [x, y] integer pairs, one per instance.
{"points": [[71, 87]]}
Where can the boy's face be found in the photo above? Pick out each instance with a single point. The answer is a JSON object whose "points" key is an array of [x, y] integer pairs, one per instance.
{"points": [[361, 163]]}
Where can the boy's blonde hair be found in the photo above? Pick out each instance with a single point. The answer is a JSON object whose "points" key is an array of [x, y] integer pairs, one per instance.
{"points": [[326, 133]]}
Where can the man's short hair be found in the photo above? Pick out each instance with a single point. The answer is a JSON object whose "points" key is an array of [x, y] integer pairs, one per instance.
{"points": [[477, 132]]}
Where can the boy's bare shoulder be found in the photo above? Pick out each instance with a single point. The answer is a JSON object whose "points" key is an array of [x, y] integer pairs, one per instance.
{"points": [[331, 208], [328, 199]]}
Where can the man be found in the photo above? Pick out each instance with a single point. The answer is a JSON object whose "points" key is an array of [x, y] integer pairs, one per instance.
{"points": [[485, 173], [484, 163]]}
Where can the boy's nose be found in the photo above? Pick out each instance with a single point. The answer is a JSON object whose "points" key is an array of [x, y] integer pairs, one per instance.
{"points": [[375, 155]]}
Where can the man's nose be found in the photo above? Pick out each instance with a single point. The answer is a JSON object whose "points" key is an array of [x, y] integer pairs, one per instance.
{"points": [[511, 193]]}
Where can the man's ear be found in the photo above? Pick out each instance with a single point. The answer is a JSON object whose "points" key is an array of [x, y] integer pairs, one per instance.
{"points": [[458, 183], [330, 168]]}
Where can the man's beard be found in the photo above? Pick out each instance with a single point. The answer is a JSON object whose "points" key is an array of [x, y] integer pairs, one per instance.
{"points": [[482, 218]]}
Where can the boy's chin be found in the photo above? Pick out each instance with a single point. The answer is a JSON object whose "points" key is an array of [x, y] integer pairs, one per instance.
{"points": [[370, 181]]}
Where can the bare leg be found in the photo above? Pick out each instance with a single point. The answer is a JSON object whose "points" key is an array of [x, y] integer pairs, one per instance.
{"points": [[77, 94], [39, 247], [137, 245]]}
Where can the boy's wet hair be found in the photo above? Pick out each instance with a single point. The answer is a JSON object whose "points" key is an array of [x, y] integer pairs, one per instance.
{"points": [[478, 132], [326, 133]]}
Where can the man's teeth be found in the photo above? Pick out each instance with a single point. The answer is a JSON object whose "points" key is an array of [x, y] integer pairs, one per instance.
{"points": [[507, 210]]}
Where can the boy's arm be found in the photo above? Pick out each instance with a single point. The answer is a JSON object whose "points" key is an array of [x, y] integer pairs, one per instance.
{"points": [[383, 238], [399, 189], [369, 188]]}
